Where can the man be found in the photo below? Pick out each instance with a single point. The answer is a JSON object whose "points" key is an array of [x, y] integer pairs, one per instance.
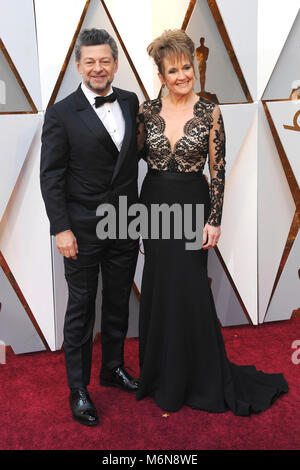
{"points": [[89, 157]]}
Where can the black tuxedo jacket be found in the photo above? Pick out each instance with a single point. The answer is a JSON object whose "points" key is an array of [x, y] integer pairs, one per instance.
{"points": [[81, 167]]}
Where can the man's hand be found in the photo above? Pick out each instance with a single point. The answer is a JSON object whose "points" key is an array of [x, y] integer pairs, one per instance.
{"points": [[66, 244]]}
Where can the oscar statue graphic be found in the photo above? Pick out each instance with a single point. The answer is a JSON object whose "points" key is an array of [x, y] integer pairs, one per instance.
{"points": [[202, 53]]}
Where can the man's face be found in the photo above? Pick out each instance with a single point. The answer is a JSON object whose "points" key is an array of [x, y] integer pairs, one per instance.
{"points": [[97, 67]]}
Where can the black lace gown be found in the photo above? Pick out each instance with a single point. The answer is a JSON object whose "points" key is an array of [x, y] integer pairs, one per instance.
{"points": [[181, 349]]}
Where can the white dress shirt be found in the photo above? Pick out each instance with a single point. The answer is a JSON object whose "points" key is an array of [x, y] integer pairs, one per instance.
{"points": [[110, 114]]}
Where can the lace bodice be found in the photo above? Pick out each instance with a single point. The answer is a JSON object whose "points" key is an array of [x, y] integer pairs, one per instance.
{"points": [[203, 135]]}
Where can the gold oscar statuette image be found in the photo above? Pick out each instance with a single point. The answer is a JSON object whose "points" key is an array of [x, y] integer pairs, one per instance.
{"points": [[202, 53]]}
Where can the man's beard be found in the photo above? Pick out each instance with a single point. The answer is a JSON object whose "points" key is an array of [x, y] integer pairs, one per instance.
{"points": [[98, 89]]}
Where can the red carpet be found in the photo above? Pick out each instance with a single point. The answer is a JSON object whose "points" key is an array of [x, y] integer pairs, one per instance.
{"points": [[34, 408]]}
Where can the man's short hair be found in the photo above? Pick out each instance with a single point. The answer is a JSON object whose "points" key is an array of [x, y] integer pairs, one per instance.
{"points": [[95, 37]]}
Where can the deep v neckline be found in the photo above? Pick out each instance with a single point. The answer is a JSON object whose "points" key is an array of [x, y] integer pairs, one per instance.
{"points": [[172, 151]]}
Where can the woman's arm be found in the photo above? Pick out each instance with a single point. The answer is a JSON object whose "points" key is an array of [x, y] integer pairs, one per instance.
{"points": [[217, 141], [140, 131], [212, 229]]}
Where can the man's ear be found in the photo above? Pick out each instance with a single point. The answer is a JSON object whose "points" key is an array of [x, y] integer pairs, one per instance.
{"points": [[77, 66], [116, 65]]}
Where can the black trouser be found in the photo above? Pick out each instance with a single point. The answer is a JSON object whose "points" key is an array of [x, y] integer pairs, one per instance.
{"points": [[117, 259]]}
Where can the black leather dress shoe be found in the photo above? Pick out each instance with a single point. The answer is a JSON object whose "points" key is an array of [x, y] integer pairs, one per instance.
{"points": [[118, 377], [83, 409]]}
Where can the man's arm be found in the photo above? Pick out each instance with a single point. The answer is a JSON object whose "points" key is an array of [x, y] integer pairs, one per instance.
{"points": [[53, 168]]}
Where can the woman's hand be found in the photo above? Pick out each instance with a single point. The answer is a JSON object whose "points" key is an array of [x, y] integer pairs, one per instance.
{"points": [[211, 236], [206, 177]]}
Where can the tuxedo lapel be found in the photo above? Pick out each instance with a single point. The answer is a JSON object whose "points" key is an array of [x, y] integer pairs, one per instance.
{"points": [[124, 104], [92, 121]]}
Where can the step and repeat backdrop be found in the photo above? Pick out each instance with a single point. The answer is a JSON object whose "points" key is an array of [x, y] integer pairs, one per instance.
{"points": [[247, 61]]}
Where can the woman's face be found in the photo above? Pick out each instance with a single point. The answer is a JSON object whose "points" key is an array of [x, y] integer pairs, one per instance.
{"points": [[178, 75]]}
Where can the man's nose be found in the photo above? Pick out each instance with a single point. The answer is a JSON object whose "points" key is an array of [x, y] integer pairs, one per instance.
{"points": [[97, 66]]}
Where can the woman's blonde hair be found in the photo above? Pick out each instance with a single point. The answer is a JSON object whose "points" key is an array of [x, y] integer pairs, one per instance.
{"points": [[172, 42]]}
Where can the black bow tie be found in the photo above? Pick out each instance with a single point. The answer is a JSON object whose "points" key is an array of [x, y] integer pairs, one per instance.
{"points": [[100, 100]]}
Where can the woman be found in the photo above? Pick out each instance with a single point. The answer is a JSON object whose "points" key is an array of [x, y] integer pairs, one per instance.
{"points": [[182, 355]]}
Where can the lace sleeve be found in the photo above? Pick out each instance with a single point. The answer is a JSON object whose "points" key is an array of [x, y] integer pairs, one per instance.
{"points": [[140, 131], [217, 142]]}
